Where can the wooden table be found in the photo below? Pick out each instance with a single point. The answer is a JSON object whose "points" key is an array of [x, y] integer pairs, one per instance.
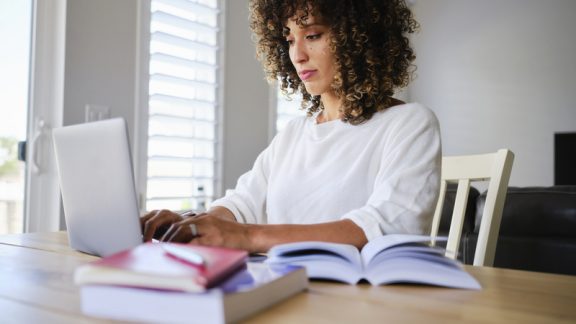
{"points": [[36, 286]]}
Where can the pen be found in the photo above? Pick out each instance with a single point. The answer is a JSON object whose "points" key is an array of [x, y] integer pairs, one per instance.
{"points": [[184, 254]]}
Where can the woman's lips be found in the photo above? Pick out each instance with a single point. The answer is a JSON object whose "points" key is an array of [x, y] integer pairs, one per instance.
{"points": [[306, 74]]}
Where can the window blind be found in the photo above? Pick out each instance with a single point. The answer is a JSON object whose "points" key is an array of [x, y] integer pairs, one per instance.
{"points": [[183, 104]]}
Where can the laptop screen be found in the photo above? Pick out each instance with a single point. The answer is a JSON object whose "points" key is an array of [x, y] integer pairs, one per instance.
{"points": [[97, 186]]}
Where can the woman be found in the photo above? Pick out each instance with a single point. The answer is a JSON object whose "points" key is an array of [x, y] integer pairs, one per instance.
{"points": [[361, 164]]}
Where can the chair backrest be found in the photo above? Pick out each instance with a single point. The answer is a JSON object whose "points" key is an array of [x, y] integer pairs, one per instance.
{"points": [[494, 168]]}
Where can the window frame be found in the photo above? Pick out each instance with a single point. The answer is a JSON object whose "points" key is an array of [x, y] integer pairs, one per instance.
{"points": [[42, 207]]}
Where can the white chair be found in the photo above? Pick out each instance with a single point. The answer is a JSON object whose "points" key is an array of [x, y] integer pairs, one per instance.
{"points": [[492, 167]]}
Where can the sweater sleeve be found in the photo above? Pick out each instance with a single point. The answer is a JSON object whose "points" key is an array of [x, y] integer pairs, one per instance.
{"points": [[407, 181], [247, 201]]}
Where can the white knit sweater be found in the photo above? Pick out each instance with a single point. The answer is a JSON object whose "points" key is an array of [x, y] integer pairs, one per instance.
{"points": [[383, 174]]}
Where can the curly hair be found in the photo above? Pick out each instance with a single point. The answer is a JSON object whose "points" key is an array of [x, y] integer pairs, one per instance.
{"points": [[369, 39]]}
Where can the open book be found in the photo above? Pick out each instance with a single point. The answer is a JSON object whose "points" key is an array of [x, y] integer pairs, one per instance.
{"points": [[395, 258]]}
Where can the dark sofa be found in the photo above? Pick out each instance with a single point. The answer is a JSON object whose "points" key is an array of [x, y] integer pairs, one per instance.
{"points": [[537, 231]]}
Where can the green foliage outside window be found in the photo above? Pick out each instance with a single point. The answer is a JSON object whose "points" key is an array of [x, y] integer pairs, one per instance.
{"points": [[9, 164]]}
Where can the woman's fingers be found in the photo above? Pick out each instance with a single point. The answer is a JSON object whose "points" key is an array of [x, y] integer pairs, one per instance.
{"points": [[185, 230], [145, 218], [171, 233], [181, 232], [156, 224], [203, 229]]}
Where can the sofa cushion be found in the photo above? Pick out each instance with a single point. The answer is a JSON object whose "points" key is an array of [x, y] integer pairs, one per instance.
{"points": [[536, 212], [543, 254]]}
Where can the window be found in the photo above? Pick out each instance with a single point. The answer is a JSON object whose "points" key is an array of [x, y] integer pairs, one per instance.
{"points": [[15, 33], [183, 103]]}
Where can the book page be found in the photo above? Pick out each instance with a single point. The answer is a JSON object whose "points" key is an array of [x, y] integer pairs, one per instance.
{"points": [[315, 250], [375, 246], [432, 254], [322, 260], [421, 271]]}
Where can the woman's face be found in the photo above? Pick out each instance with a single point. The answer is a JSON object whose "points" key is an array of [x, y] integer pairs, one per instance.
{"points": [[311, 55]]}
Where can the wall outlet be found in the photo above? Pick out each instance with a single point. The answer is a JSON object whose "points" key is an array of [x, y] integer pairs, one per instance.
{"points": [[96, 112]]}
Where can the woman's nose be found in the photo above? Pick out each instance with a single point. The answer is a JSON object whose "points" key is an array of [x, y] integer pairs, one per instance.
{"points": [[299, 52]]}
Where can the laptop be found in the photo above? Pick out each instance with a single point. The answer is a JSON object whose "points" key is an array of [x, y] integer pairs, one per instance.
{"points": [[97, 186]]}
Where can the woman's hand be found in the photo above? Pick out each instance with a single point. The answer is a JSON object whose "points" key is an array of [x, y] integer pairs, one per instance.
{"points": [[210, 230], [155, 223]]}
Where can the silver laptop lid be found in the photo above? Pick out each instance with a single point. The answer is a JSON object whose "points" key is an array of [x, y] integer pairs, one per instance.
{"points": [[97, 185]]}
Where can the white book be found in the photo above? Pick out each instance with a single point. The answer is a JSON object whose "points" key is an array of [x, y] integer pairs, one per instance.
{"points": [[254, 288], [388, 259]]}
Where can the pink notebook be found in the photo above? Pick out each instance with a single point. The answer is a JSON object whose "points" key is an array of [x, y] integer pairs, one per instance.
{"points": [[151, 266]]}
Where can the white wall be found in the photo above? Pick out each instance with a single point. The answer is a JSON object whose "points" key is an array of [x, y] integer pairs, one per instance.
{"points": [[499, 73], [246, 106], [101, 50]]}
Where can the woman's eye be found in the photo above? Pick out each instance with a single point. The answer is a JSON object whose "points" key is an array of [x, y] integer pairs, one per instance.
{"points": [[313, 36], [290, 41]]}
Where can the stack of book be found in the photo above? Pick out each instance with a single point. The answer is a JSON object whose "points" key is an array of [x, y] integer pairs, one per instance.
{"points": [[169, 282]]}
